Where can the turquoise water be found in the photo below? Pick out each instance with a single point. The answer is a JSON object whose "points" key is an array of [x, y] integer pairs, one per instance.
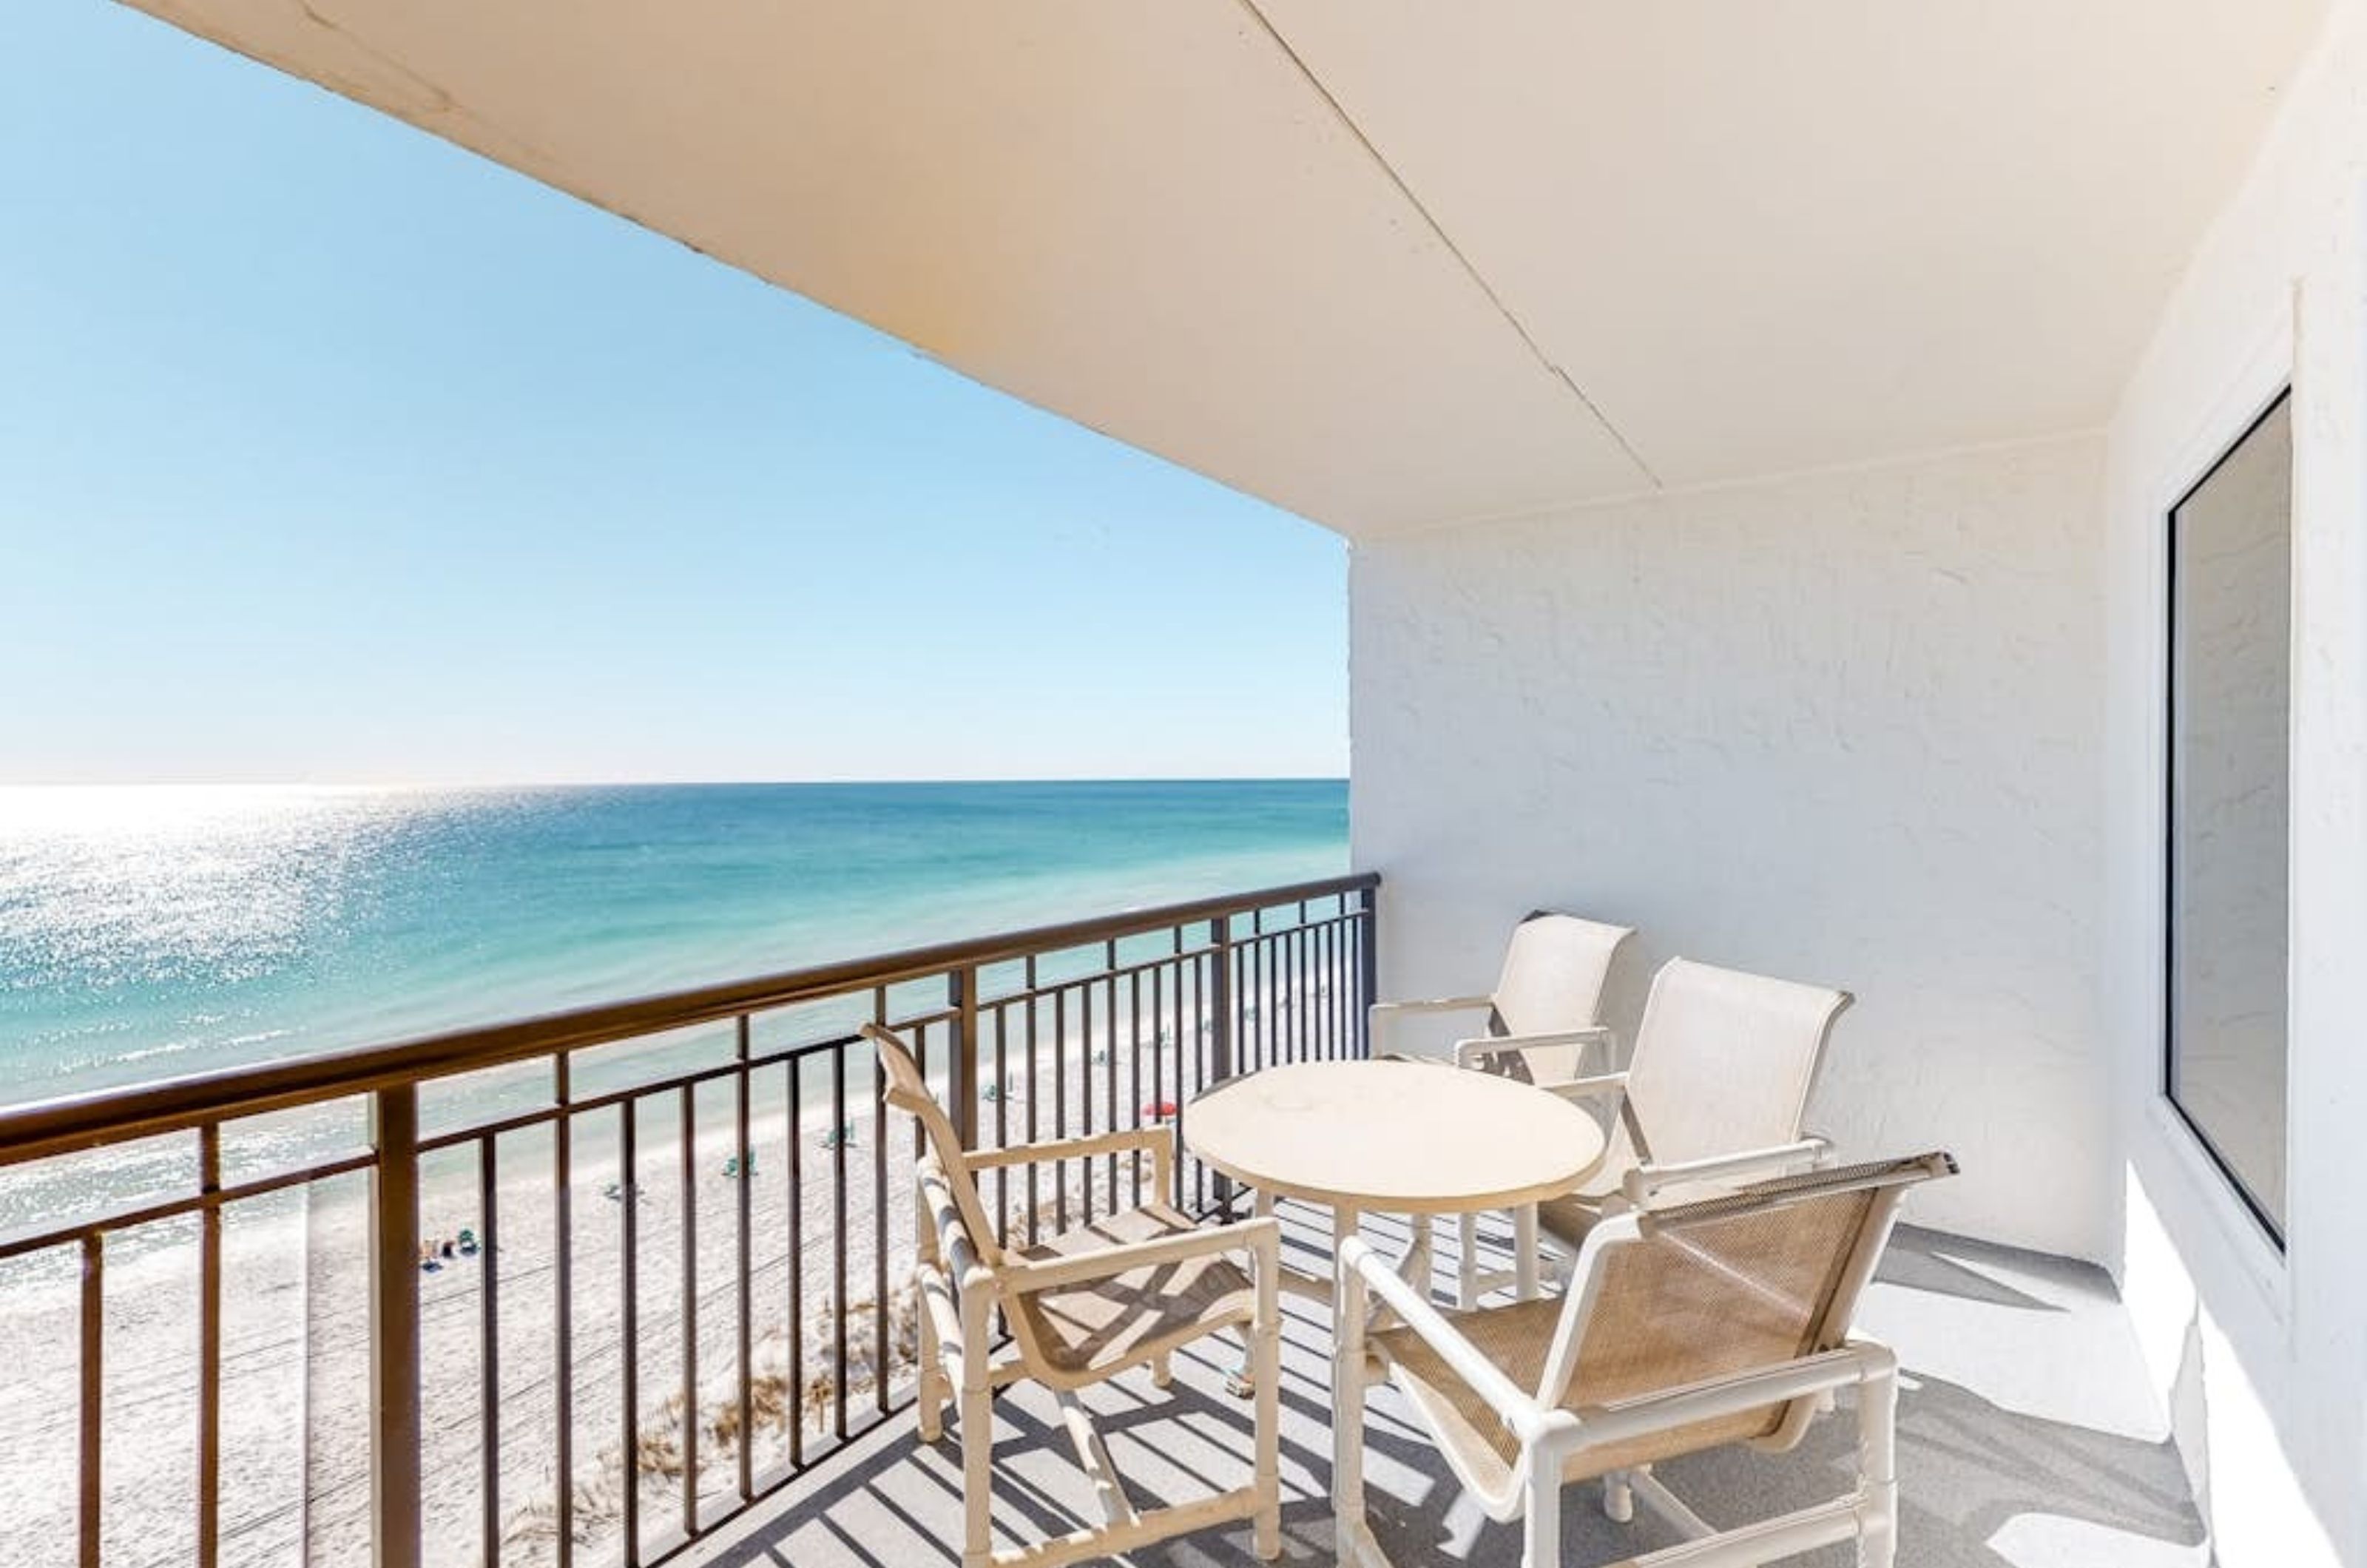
{"points": [[151, 932]]}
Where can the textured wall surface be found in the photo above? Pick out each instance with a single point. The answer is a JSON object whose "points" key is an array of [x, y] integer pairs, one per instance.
{"points": [[2264, 1355], [1840, 728]]}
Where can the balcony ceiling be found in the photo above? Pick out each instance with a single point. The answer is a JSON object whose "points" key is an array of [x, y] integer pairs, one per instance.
{"points": [[1395, 264]]}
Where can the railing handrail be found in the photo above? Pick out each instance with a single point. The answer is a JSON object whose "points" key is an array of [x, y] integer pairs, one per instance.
{"points": [[97, 1118]]}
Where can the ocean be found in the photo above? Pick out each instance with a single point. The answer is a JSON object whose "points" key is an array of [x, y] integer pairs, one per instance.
{"points": [[149, 932]]}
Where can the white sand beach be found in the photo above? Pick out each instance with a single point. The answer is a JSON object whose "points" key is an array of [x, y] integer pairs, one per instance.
{"points": [[295, 1411]]}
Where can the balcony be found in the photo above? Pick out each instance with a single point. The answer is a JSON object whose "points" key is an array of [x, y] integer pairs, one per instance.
{"points": [[627, 1285]]}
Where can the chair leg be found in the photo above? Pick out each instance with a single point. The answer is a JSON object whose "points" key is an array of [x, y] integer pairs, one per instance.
{"points": [[1467, 1262], [1239, 1382], [1163, 1370], [1877, 1426], [1267, 1338], [1618, 1498], [929, 1402], [977, 1438], [1348, 1309], [1541, 1538]]}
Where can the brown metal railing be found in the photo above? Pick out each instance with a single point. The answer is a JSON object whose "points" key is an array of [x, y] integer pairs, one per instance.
{"points": [[743, 1116]]}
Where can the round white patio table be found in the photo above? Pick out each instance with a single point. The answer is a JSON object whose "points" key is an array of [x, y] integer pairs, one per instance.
{"points": [[1414, 1138]]}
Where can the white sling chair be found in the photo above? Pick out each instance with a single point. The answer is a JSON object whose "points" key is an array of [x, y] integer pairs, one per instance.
{"points": [[1125, 1291], [1541, 1018], [1721, 1071], [1687, 1326]]}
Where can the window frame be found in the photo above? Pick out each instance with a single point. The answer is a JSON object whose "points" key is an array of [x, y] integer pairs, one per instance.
{"points": [[2270, 1226]]}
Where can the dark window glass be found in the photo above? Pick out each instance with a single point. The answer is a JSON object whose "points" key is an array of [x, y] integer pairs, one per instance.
{"points": [[2230, 679]]}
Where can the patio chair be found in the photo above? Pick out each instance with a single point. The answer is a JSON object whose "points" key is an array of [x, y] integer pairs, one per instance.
{"points": [[1723, 1065], [1542, 1017], [1689, 1326], [1125, 1291]]}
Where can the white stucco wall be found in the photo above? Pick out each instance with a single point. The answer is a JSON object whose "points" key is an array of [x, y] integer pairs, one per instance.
{"points": [[2265, 1356], [1840, 726]]}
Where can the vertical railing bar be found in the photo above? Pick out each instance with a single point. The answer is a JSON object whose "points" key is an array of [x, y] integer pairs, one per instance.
{"points": [[395, 1519], [629, 1325], [1035, 1197], [1344, 980], [1109, 1078], [94, 1382], [744, 1249], [1249, 1045], [1280, 1000], [1318, 961], [1345, 983], [1208, 1020], [1266, 998], [841, 1126], [1344, 950], [1134, 1060], [1281, 1004], [961, 1064], [489, 1347], [210, 1348], [1319, 1001], [1086, 1052], [1302, 992], [1368, 968], [1060, 1128], [794, 1068], [1327, 957], [1291, 1008], [1220, 1042], [1272, 1000], [1002, 1124], [689, 1170], [879, 1210], [562, 1297], [1159, 1052]]}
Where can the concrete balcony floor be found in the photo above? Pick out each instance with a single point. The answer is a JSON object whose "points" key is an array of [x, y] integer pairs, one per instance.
{"points": [[2027, 1436]]}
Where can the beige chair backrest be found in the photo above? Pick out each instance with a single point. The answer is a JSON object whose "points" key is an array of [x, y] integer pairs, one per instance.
{"points": [[1554, 970], [908, 1091], [1710, 1290], [1723, 1063]]}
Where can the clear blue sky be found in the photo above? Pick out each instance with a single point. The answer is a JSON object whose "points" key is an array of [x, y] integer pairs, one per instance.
{"points": [[329, 452]]}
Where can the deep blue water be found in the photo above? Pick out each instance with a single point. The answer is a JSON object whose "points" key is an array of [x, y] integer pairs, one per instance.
{"points": [[149, 932]]}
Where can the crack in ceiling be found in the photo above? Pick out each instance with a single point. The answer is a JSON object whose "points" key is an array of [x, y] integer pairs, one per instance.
{"points": [[1511, 319]]}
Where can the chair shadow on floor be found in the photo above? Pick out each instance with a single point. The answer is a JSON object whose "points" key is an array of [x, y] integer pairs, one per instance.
{"points": [[1968, 1467]]}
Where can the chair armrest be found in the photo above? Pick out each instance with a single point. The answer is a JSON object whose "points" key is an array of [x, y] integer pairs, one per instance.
{"points": [[1602, 1087], [1262, 1238], [1155, 1140], [1641, 1185], [1468, 1052], [1435, 1004], [1511, 1404]]}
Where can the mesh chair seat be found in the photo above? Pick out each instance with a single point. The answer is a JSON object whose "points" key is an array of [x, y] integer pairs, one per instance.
{"points": [[1517, 1339], [1084, 1330], [1716, 1288]]}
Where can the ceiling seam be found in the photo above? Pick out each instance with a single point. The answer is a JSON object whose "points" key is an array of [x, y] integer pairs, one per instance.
{"points": [[1340, 112]]}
